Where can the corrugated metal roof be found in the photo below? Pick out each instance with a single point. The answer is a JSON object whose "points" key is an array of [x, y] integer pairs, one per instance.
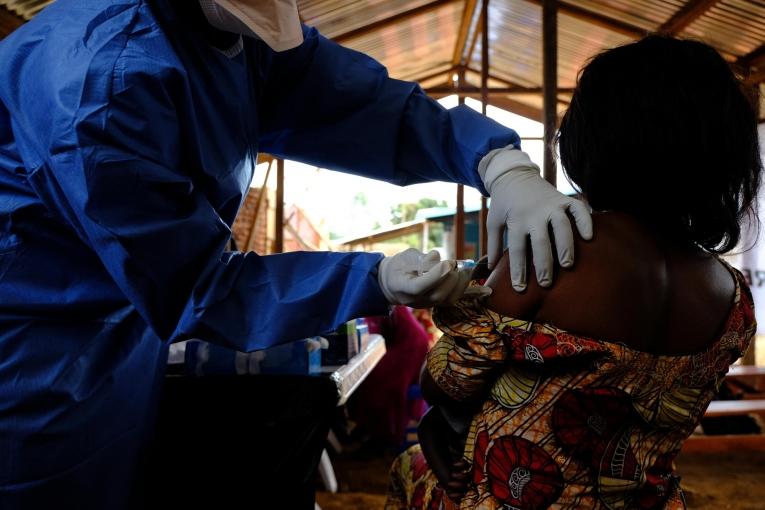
{"points": [[416, 39], [735, 27], [515, 43], [414, 47], [645, 14], [732, 26], [336, 17]]}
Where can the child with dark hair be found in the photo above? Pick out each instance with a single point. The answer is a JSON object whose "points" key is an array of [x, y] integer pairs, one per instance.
{"points": [[581, 395]]}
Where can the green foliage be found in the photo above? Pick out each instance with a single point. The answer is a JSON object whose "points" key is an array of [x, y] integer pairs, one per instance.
{"points": [[360, 199], [406, 212]]}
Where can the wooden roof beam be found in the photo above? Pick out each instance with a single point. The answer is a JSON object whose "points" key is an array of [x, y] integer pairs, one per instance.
{"points": [[9, 22], [594, 18], [755, 58], [434, 74], [471, 47], [751, 66], [512, 105], [689, 13], [755, 76], [392, 20], [495, 78], [468, 14], [470, 91], [522, 109]]}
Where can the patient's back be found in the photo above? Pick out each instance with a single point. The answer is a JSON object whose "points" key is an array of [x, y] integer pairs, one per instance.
{"points": [[628, 285]]}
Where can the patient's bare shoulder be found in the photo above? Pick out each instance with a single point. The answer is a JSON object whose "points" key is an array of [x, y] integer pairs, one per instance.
{"points": [[630, 286]]}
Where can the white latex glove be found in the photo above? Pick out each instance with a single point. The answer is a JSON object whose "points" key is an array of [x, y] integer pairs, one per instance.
{"points": [[421, 280], [525, 204]]}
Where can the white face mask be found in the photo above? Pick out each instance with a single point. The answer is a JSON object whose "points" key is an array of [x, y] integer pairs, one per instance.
{"points": [[275, 22]]}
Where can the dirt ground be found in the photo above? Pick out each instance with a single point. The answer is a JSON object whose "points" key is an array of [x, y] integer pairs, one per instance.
{"points": [[723, 481], [712, 482]]}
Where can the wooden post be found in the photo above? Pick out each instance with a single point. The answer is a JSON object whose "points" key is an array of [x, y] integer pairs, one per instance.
{"points": [[483, 239], [279, 230], [749, 257], [459, 224], [550, 83], [459, 215], [462, 42]]}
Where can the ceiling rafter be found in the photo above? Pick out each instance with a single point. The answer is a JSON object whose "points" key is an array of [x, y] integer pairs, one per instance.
{"points": [[468, 14], [600, 20], [517, 107], [434, 73], [687, 14], [473, 42], [492, 93], [392, 20], [755, 77], [507, 83], [473, 91], [755, 58]]}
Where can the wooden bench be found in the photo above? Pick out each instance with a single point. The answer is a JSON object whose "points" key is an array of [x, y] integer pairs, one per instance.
{"points": [[746, 370], [735, 407], [752, 376], [752, 403], [726, 443], [733, 442]]}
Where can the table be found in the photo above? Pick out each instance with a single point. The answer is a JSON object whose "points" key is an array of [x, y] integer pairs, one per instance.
{"points": [[248, 440], [348, 377]]}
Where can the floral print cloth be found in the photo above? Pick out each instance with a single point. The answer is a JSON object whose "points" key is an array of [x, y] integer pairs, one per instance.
{"points": [[567, 421]]}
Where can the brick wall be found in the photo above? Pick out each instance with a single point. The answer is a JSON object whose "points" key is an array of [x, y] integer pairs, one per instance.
{"points": [[257, 239]]}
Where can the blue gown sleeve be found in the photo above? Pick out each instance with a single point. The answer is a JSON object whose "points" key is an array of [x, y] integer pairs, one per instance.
{"points": [[118, 184], [336, 108]]}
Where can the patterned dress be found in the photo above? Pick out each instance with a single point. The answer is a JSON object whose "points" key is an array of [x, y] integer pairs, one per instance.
{"points": [[567, 421]]}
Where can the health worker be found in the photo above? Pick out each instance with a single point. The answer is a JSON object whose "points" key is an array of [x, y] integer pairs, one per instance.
{"points": [[129, 133]]}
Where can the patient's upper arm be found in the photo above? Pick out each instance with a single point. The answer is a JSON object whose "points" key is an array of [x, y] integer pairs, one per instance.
{"points": [[505, 300]]}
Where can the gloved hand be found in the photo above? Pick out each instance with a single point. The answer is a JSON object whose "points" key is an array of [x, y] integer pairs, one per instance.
{"points": [[421, 280], [525, 204]]}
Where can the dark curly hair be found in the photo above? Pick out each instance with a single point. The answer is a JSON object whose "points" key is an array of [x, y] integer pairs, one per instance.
{"points": [[662, 129]]}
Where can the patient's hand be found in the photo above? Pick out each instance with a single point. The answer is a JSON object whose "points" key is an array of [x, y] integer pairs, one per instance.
{"points": [[459, 478], [442, 448]]}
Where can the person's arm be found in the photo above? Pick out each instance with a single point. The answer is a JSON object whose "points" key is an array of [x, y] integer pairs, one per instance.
{"points": [[442, 449], [465, 361], [123, 187], [336, 108]]}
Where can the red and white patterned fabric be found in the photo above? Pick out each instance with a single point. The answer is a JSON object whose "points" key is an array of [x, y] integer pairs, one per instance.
{"points": [[568, 421]]}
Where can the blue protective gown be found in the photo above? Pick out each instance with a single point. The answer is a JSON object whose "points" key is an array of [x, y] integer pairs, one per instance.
{"points": [[127, 144]]}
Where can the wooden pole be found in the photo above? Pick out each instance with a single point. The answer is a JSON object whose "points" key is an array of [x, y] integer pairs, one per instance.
{"points": [[279, 227], [459, 224], [749, 257], [483, 239], [459, 215], [252, 237], [461, 45], [550, 83]]}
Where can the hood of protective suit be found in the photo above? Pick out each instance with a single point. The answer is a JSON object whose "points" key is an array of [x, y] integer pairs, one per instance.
{"points": [[275, 22]]}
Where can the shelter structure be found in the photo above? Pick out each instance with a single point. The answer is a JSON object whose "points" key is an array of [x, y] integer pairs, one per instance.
{"points": [[519, 55]]}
